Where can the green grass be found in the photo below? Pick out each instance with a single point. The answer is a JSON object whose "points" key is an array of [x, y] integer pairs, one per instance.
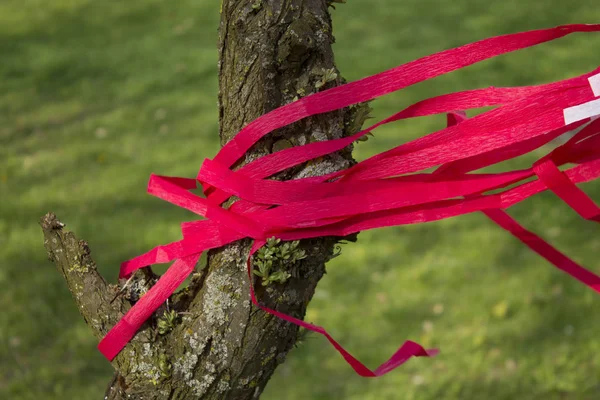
{"points": [[94, 96]]}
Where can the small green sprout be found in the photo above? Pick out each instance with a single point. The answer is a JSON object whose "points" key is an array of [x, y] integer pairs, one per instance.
{"points": [[275, 253], [299, 93], [337, 252], [301, 336], [167, 322], [164, 366], [330, 3], [257, 5], [365, 137], [361, 113], [328, 76]]}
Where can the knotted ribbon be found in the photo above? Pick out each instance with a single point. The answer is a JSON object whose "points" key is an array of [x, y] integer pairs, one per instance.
{"points": [[388, 189]]}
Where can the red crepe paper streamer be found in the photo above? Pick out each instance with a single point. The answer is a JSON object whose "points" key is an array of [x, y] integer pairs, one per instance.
{"points": [[392, 191]]}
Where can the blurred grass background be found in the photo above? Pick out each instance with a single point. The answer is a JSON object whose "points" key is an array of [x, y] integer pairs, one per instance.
{"points": [[94, 96]]}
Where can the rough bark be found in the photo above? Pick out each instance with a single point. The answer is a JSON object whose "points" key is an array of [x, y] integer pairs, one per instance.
{"points": [[270, 52]]}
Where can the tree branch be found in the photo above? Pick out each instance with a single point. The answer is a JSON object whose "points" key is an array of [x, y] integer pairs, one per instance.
{"points": [[90, 291], [98, 302]]}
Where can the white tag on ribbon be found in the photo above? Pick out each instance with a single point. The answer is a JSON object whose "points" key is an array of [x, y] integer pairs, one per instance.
{"points": [[582, 111], [595, 84]]}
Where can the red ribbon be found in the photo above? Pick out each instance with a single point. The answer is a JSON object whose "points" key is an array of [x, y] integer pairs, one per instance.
{"points": [[386, 189]]}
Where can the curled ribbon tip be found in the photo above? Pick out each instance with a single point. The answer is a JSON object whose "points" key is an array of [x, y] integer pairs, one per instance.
{"points": [[393, 190]]}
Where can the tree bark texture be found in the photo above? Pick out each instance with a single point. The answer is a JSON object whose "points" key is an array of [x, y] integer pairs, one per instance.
{"points": [[223, 347]]}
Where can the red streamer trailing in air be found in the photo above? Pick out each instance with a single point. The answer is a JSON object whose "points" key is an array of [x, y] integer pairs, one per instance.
{"points": [[393, 191]]}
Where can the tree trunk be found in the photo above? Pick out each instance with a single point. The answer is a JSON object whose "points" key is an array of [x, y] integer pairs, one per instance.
{"points": [[270, 52]]}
